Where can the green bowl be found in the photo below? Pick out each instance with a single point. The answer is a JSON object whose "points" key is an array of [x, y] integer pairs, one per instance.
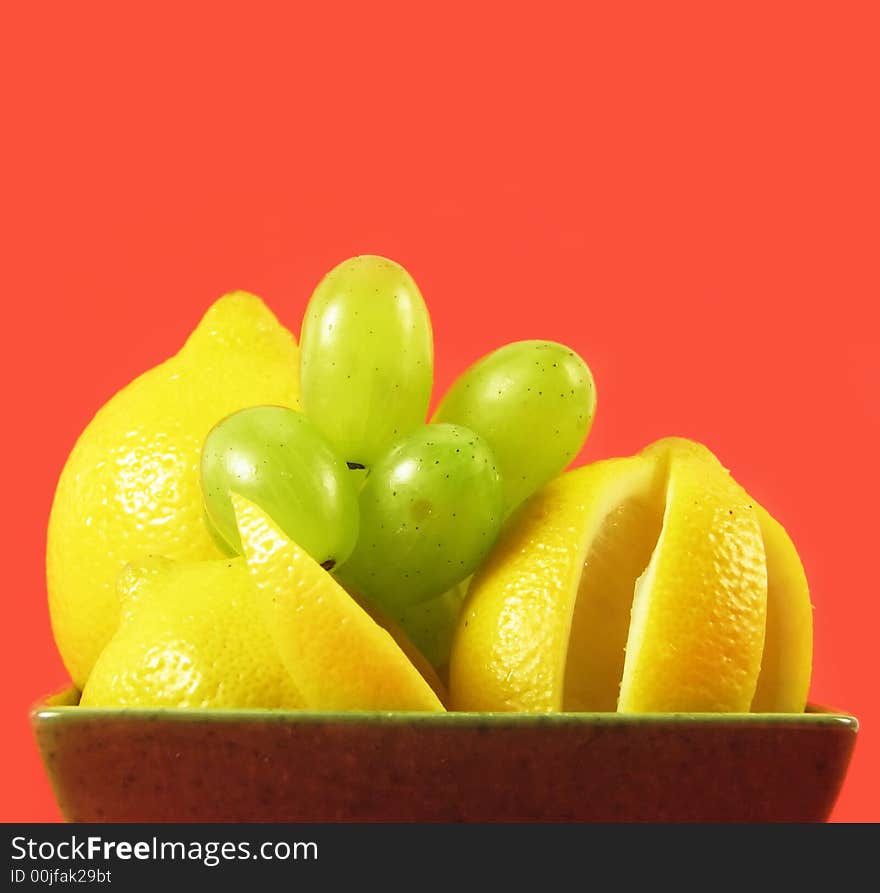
{"points": [[286, 766]]}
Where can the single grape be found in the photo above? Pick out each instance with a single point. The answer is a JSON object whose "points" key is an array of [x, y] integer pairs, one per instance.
{"points": [[430, 625], [430, 511], [533, 403], [214, 533], [366, 357], [278, 459]]}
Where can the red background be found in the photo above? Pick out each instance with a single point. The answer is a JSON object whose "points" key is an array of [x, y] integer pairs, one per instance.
{"points": [[687, 195]]}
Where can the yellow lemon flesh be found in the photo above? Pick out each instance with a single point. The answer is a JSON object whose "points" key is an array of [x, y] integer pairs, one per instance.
{"points": [[626, 531], [338, 657], [637, 584], [191, 634], [130, 486], [511, 643]]}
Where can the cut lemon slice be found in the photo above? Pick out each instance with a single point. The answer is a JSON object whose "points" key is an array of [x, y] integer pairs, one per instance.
{"points": [[638, 584], [788, 644], [786, 663], [338, 657], [697, 627], [536, 631]]}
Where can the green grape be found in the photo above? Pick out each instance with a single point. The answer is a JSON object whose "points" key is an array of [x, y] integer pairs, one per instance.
{"points": [[430, 511], [430, 625], [366, 357], [214, 533], [533, 403], [279, 460]]}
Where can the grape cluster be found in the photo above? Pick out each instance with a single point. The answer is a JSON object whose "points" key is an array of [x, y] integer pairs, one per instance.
{"points": [[399, 509]]}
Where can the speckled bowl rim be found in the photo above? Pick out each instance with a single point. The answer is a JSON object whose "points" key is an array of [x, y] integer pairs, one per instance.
{"points": [[62, 707]]}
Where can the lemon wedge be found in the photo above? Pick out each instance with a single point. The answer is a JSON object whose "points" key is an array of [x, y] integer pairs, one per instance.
{"points": [[338, 657], [637, 584]]}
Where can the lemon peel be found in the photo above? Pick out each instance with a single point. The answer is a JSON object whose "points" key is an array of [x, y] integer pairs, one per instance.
{"points": [[130, 487], [338, 657]]}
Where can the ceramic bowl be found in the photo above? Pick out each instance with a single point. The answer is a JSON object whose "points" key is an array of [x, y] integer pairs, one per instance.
{"points": [[288, 766]]}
